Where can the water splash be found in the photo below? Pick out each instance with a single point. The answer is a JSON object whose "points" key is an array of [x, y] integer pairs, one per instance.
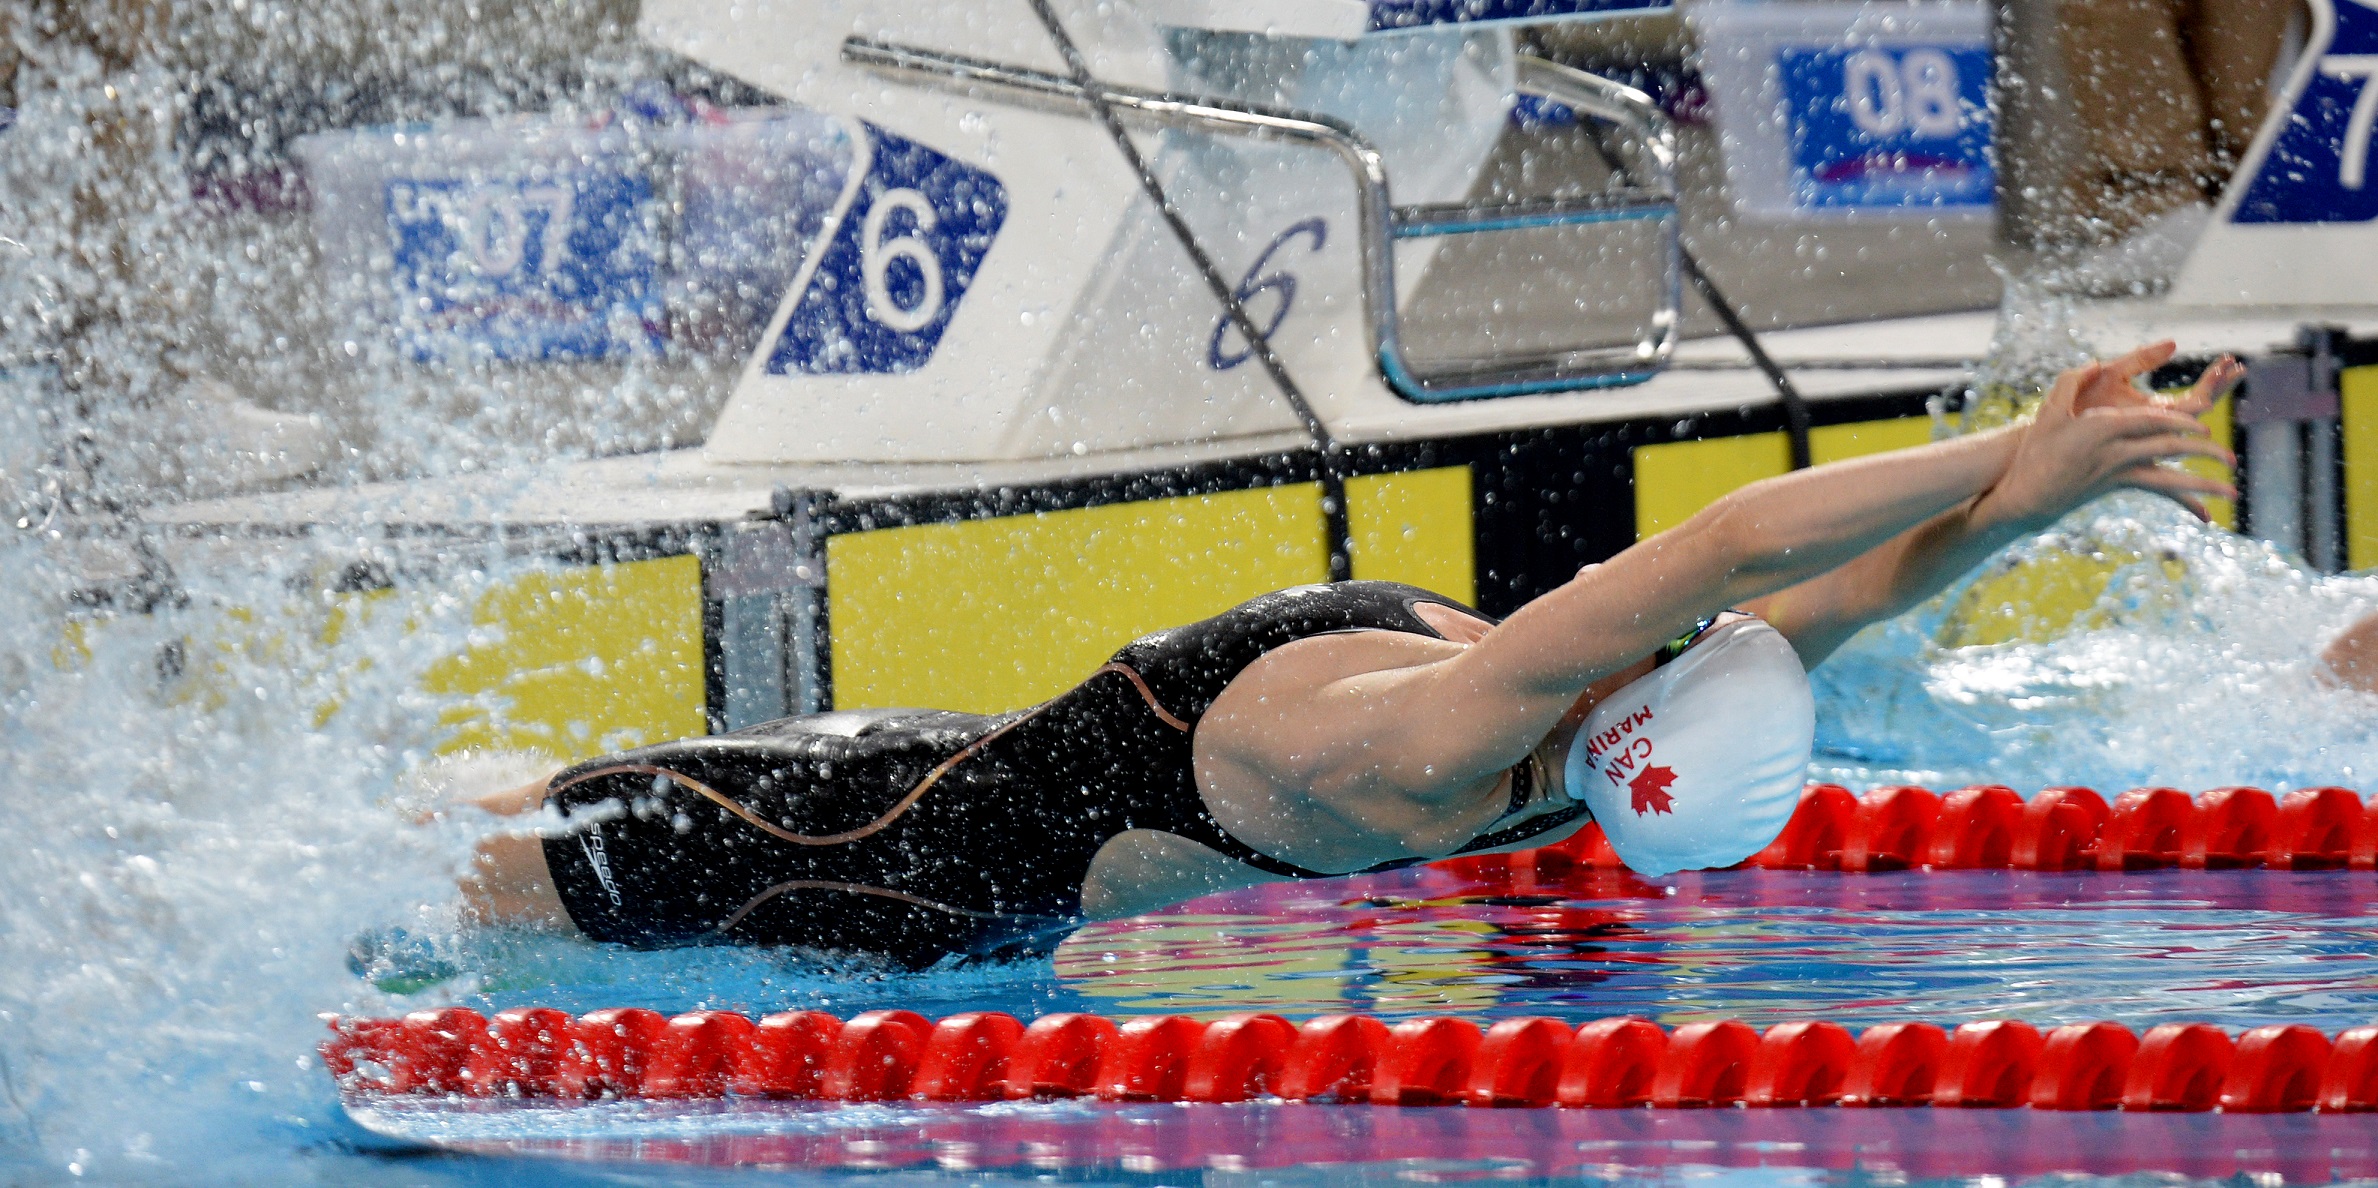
{"points": [[200, 820], [2129, 645], [2037, 335], [207, 740], [2195, 664]]}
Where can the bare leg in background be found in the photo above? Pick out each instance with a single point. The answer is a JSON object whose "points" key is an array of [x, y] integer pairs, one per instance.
{"points": [[2351, 659]]}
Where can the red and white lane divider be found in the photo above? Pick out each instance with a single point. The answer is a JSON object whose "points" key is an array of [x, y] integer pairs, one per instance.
{"points": [[1610, 1063], [1989, 826]]}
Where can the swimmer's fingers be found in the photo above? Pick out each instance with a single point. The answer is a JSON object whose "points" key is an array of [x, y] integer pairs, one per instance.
{"points": [[2180, 486], [2219, 377], [2144, 421], [2121, 392], [2143, 360], [2120, 456], [2163, 475], [2065, 394], [2195, 506], [2116, 384]]}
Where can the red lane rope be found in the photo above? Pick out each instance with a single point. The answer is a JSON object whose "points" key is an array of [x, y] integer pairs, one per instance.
{"points": [[1989, 826], [1609, 1063]]}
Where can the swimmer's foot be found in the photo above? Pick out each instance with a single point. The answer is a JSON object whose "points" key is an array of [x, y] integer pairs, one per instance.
{"points": [[503, 783]]}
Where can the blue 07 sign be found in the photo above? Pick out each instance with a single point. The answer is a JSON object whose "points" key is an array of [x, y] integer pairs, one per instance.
{"points": [[893, 268]]}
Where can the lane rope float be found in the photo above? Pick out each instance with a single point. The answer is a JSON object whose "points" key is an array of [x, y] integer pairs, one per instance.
{"points": [[1616, 1063], [1990, 827]]}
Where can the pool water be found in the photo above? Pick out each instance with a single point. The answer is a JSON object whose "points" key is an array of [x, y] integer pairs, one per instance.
{"points": [[2192, 664], [2242, 950], [2238, 948], [1271, 1143]]}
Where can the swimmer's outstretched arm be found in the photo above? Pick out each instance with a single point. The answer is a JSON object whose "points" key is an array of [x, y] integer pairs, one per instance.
{"points": [[1820, 615], [1442, 729]]}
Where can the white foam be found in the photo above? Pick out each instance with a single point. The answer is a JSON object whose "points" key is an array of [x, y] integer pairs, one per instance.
{"points": [[2196, 669]]}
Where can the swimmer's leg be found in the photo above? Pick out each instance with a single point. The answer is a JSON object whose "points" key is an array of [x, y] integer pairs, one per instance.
{"points": [[509, 882], [2351, 659]]}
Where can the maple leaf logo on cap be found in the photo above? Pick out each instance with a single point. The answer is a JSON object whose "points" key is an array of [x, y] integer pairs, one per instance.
{"points": [[1650, 787]]}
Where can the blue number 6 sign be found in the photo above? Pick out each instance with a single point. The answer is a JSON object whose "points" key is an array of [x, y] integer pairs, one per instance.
{"points": [[914, 230]]}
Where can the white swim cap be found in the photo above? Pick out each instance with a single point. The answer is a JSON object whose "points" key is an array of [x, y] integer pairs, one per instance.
{"points": [[1700, 763]]}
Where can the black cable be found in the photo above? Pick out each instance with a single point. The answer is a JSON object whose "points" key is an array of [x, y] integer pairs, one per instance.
{"points": [[1333, 476], [1796, 422]]}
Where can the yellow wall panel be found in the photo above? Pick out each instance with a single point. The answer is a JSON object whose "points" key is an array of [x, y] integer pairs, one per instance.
{"points": [[2046, 594], [583, 660], [991, 615], [1414, 528], [2217, 419], [1676, 479], [2361, 466], [1835, 443]]}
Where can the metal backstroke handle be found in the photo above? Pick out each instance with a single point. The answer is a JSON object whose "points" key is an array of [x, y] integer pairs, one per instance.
{"points": [[1647, 162], [1380, 222], [1652, 164]]}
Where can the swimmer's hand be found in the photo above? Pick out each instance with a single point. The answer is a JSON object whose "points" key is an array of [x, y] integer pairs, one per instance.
{"points": [[2117, 382], [2097, 432]]}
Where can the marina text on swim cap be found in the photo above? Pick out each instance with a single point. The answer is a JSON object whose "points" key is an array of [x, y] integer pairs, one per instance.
{"points": [[1610, 738]]}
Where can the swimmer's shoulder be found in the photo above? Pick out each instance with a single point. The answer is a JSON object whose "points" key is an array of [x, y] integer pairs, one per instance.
{"points": [[1306, 667]]}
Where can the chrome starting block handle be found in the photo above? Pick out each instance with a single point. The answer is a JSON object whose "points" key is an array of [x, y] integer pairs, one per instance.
{"points": [[1651, 194], [1646, 158]]}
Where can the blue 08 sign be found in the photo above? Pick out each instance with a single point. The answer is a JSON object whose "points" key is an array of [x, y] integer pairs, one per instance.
{"points": [[1889, 125]]}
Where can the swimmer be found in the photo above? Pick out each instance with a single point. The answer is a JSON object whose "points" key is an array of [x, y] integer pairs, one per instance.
{"points": [[1320, 731]]}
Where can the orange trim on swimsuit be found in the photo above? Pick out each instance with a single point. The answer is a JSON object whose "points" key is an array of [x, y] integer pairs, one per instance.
{"points": [[857, 888], [904, 804], [1146, 694]]}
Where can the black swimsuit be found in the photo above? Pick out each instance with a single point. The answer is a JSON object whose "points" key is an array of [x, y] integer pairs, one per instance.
{"points": [[918, 833]]}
